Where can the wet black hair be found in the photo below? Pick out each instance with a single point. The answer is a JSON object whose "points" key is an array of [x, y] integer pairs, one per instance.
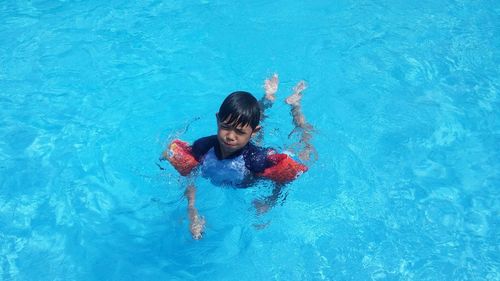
{"points": [[240, 108]]}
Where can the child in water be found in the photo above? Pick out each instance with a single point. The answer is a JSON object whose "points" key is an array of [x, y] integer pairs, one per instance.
{"points": [[229, 157]]}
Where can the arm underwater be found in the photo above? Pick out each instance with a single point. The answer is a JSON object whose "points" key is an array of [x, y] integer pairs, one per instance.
{"points": [[284, 169]]}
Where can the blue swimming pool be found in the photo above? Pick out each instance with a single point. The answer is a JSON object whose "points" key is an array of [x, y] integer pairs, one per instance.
{"points": [[404, 98]]}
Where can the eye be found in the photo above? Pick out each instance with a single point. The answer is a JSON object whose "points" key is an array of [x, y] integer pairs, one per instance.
{"points": [[240, 132]]}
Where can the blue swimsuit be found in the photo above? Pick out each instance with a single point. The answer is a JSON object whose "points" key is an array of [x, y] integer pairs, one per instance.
{"points": [[237, 169]]}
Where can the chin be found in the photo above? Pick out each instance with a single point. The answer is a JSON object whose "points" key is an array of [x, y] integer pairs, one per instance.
{"points": [[231, 149]]}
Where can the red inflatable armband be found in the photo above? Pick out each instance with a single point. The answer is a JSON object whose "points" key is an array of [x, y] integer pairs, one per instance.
{"points": [[285, 169], [180, 157]]}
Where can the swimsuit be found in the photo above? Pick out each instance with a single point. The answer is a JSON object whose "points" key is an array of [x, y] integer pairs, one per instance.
{"points": [[238, 169]]}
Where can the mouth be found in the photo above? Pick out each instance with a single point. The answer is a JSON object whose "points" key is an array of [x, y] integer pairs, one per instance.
{"points": [[227, 144]]}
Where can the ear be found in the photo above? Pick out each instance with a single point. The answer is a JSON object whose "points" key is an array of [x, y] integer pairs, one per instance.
{"points": [[256, 130]]}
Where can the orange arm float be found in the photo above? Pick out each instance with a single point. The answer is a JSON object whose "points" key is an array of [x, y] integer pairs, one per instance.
{"points": [[284, 168], [180, 156]]}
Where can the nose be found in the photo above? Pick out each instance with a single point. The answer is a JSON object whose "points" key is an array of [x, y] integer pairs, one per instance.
{"points": [[230, 136]]}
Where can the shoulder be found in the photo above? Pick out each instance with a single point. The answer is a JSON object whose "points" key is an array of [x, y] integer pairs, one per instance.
{"points": [[201, 146], [256, 158]]}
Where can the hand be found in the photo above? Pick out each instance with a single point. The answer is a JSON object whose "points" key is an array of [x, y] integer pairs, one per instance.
{"points": [[164, 155]]}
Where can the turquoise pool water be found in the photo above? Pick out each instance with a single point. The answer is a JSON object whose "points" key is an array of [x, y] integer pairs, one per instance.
{"points": [[404, 99]]}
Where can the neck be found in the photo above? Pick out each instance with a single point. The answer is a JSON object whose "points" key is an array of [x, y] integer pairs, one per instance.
{"points": [[224, 154]]}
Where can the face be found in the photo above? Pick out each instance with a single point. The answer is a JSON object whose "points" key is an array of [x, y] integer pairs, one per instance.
{"points": [[233, 138]]}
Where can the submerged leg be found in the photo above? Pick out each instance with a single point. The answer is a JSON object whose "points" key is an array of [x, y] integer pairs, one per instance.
{"points": [[196, 222], [301, 126], [265, 204]]}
